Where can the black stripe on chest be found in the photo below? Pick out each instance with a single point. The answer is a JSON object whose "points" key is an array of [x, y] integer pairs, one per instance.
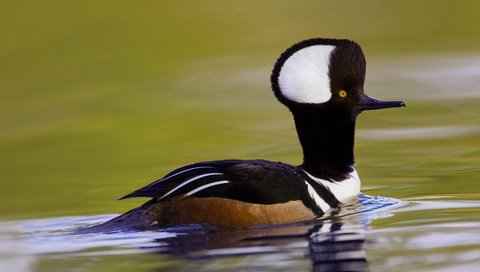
{"points": [[321, 190]]}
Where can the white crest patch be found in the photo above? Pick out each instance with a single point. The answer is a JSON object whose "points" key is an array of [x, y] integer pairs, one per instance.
{"points": [[304, 75]]}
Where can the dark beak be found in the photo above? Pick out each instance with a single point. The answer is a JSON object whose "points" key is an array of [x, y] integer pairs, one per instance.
{"points": [[368, 103]]}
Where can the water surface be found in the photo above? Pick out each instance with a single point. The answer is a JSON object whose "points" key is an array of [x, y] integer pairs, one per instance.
{"points": [[345, 241], [425, 158], [97, 101]]}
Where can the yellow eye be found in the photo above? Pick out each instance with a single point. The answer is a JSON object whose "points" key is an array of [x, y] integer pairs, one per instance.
{"points": [[342, 93]]}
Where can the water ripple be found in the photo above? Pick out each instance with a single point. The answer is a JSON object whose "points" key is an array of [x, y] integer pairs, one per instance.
{"points": [[336, 242]]}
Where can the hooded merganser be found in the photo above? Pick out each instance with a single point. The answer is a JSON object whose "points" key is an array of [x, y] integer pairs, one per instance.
{"points": [[321, 82]]}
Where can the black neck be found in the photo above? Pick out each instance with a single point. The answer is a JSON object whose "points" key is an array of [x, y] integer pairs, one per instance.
{"points": [[327, 139]]}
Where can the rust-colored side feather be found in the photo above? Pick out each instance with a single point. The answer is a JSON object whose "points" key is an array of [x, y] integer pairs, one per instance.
{"points": [[212, 210], [227, 212]]}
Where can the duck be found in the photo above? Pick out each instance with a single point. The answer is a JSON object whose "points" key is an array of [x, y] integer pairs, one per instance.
{"points": [[321, 82]]}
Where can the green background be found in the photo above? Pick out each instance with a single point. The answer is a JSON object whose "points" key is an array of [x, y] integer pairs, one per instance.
{"points": [[98, 98]]}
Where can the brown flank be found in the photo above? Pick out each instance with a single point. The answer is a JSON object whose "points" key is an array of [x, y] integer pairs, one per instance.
{"points": [[227, 212]]}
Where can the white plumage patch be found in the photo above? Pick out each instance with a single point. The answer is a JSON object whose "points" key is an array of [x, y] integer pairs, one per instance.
{"points": [[342, 190], [189, 181], [304, 75], [194, 191], [318, 200]]}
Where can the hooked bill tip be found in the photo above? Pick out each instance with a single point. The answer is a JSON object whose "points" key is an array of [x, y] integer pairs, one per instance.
{"points": [[368, 103]]}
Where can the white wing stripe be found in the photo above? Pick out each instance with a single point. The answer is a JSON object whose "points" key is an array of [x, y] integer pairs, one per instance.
{"points": [[179, 173], [184, 171], [206, 186], [187, 182]]}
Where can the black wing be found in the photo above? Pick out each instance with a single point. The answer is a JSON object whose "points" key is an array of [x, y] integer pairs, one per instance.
{"points": [[253, 181]]}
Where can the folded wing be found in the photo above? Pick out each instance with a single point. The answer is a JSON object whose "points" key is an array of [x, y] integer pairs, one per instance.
{"points": [[253, 181]]}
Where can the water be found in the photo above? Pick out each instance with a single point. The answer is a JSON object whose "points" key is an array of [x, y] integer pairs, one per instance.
{"points": [[337, 241], [346, 241], [99, 100], [425, 158]]}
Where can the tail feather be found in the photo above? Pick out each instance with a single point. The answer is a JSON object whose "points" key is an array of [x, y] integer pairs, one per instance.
{"points": [[140, 218]]}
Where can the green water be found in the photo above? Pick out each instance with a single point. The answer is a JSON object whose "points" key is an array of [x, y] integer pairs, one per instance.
{"points": [[98, 99]]}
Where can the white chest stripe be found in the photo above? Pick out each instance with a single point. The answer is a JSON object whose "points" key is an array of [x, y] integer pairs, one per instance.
{"points": [[318, 200], [342, 190], [187, 182]]}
